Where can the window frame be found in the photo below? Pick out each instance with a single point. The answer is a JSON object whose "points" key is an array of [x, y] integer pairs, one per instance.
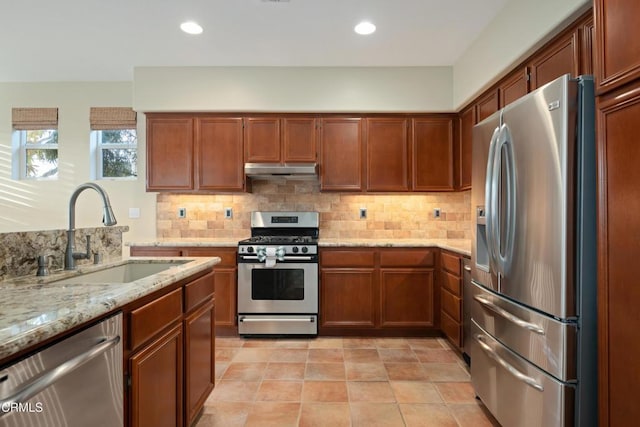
{"points": [[96, 138], [24, 145]]}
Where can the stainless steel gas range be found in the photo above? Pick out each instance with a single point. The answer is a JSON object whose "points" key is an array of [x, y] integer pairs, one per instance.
{"points": [[278, 275]]}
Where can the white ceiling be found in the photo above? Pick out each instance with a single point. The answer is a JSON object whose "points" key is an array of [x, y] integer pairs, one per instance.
{"points": [[102, 40]]}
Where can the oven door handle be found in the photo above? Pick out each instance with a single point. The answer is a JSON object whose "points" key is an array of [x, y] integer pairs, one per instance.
{"points": [[287, 258], [276, 319]]}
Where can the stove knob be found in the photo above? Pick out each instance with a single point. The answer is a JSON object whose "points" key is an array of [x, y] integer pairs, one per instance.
{"points": [[250, 249], [295, 250], [305, 249]]}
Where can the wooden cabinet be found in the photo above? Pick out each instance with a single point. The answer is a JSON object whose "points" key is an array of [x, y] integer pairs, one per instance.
{"points": [[464, 157], [393, 288], [487, 105], [220, 166], [225, 278], [272, 139], [341, 167], [432, 149], [387, 147], [515, 86], [170, 165], [617, 43], [555, 60], [618, 249], [450, 277]]}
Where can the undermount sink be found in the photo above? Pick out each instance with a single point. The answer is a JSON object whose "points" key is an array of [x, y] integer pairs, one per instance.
{"points": [[124, 273]]}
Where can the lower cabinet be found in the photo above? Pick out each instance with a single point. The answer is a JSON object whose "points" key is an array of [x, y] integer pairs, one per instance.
{"points": [[347, 298], [450, 275], [406, 298]]}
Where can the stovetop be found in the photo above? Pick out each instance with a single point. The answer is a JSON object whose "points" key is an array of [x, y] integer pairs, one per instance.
{"points": [[273, 240]]}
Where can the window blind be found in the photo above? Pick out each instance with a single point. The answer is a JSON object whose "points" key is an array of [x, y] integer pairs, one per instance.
{"points": [[106, 118], [34, 118]]}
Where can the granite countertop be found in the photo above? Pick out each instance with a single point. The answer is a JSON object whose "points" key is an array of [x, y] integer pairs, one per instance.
{"points": [[461, 246], [36, 308]]}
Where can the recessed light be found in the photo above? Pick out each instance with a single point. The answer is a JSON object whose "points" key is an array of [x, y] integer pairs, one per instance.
{"points": [[191, 27], [364, 28]]}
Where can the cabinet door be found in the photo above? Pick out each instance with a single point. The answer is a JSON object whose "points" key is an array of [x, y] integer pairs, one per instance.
{"points": [[387, 154], [220, 163], [299, 139], [487, 105], [618, 249], [262, 140], [347, 298], [406, 297], [467, 120], [169, 153], [154, 251], [556, 60], [199, 335], [617, 43], [432, 147], [156, 382], [587, 46], [514, 87], [341, 154]]}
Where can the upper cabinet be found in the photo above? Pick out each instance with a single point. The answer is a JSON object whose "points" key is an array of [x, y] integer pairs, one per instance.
{"points": [[463, 164], [387, 154], [555, 60], [432, 149], [515, 86], [219, 154], [617, 43], [341, 154], [487, 105], [280, 140], [170, 153]]}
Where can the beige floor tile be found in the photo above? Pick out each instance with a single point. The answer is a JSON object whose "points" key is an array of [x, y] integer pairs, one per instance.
{"points": [[234, 391], [326, 355], [406, 372], [359, 342], [368, 414], [366, 372], [397, 355], [229, 414], [253, 355], [424, 343], [415, 392], [226, 354], [370, 391], [280, 391], [473, 415], [285, 371], [457, 392], [260, 343], [324, 391], [433, 355], [427, 415], [361, 355], [220, 368], [293, 343], [245, 371], [324, 371], [325, 414], [325, 342], [224, 342], [273, 414], [289, 355], [446, 372], [392, 343]]}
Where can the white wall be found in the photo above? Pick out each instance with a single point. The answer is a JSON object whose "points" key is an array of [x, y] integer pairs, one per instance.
{"points": [[27, 205], [315, 89], [520, 28]]}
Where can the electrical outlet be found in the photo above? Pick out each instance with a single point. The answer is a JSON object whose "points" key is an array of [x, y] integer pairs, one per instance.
{"points": [[182, 212], [134, 212], [436, 213], [363, 213], [228, 213]]}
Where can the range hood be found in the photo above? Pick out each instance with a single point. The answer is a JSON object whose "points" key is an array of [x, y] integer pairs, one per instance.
{"points": [[281, 170]]}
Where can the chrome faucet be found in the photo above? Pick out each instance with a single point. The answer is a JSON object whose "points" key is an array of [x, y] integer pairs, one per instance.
{"points": [[108, 219]]}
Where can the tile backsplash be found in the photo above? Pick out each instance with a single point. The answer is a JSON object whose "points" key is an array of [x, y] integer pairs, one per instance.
{"points": [[19, 251], [390, 216]]}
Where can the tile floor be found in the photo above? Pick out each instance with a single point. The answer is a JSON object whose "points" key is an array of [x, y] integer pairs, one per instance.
{"points": [[341, 382]]}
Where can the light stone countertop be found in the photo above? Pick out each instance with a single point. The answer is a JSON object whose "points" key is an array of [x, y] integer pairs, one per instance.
{"points": [[35, 309], [461, 246]]}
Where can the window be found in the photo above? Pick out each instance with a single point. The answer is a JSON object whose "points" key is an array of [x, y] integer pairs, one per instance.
{"points": [[115, 142], [35, 143]]}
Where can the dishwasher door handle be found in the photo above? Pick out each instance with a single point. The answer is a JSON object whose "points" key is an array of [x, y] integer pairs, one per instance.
{"points": [[29, 389]]}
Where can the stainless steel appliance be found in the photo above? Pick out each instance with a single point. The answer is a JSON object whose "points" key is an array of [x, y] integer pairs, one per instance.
{"points": [[278, 275], [75, 382], [533, 327]]}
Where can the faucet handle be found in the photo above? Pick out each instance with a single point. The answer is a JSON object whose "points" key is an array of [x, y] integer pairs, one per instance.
{"points": [[43, 265]]}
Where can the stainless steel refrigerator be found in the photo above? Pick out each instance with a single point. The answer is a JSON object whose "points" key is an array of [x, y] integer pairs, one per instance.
{"points": [[533, 261]]}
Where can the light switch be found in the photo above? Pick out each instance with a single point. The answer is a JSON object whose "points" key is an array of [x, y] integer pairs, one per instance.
{"points": [[134, 212]]}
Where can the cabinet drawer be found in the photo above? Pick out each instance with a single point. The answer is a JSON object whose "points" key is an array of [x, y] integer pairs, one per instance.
{"points": [[198, 291], [451, 263], [451, 329], [346, 258], [407, 258], [452, 283], [228, 257], [151, 318], [451, 305]]}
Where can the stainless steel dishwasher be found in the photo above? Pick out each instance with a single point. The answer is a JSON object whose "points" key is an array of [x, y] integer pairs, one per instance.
{"points": [[74, 382]]}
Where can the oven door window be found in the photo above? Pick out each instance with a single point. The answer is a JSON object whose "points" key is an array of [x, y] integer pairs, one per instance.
{"points": [[277, 284]]}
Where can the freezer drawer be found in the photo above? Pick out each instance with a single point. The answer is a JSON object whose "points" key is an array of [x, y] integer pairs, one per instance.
{"points": [[546, 342], [516, 392]]}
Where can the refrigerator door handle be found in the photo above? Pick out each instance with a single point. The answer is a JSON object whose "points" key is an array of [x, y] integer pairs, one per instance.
{"points": [[505, 148], [489, 194], [510, 317], [513, 371]]}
